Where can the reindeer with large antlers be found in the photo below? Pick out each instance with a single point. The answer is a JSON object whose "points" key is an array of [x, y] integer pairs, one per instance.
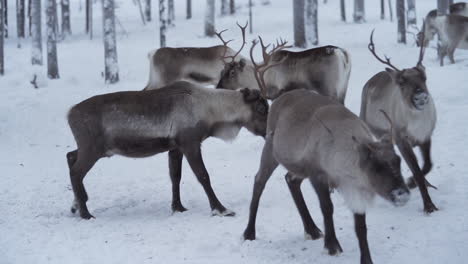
{"points": [[324, 69], [316, 137], [196, 65], [403, 94]]}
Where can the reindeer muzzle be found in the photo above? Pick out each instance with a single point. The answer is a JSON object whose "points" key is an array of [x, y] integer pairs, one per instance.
{"points": [[400, 196], [420, 99]]}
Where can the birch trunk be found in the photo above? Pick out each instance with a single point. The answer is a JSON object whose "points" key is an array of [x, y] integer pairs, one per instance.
{"points": [[411, 13], [359, 11], [343, 10], [2, 59], [52, 65], [189, 9], [170, 13], [20, 18], [162, 24], [312, 21], [400, 9], [36, 32], [110, 45], [224, 7], [382, 9], [66, 27], [299, 24], [210, 18], [442, 7], [232, 7], [148, 10]]}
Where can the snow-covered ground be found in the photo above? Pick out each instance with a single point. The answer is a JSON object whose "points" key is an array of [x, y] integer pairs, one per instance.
{"points": [[131, 197]]}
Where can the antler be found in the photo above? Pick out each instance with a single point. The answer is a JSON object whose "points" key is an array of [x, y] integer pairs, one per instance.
{"points": [[259, 70], [371, 48], [389, 121], [232, 57], [422, 49]]}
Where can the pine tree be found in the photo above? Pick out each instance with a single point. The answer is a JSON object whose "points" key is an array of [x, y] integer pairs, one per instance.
{"points": [[52, 65], [400, 9], [359, 11], [110, 45], [162, 24], [210, 18], [36, 32], [299, 24], [20, 18], [311, 8], [411, 13], [66, 27]]}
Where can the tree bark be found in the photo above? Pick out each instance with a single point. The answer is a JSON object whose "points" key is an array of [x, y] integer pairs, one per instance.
{"points": [[299, 24], [382, 9], [224, 7], [311, 8], [343, 10], [20, 18], [232, 7], [36, 30], [210, 18], [442, 7], [89, 17], [170, 13], [110, 45], [5, 17], [2, 59], [148, 10], [29, 18], [162, 24], [359, 11], [390, 10], [52, 65], [189, 9], [400, 9], [411, 13], [66, 27]]}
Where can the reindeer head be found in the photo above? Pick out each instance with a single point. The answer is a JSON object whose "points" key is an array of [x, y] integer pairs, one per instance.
{"points": [[233, 72], [382, 166], [411, 81], [259, 111]]}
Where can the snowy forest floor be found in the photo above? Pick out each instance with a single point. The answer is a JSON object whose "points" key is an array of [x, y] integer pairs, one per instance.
{"points": [[131, 197]]}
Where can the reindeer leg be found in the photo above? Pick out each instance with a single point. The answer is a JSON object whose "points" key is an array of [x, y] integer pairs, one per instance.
{"points": [[175, 171], [323, 193], [410, 158], [267, 165], [361, 232], [311, 231], [442, 51], [425, 149], [450, 52], [195, 160]]}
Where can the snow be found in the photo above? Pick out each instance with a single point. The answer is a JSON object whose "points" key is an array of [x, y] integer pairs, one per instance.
{"points": [[131, 197]]}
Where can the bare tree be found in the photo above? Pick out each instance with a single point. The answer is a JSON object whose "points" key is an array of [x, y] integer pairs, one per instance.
{"points": [[210, 18], [110, 45], [382, 9], [5, 18], [359, 11], [224, 7], [148, 10], [189, 9], [343, 10], [36, 32], [2, 60], [66, 27], [232, 7], [443, 7], [52, 65], [170, 13], [400, 9], [162, 24], [299, 24], [411, 13], [311, 18], [20, 26]]}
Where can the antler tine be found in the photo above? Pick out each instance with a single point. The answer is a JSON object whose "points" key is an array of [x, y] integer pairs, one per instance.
{"points": [[242, 28], [264, 50], [422, 48], [257, 67], [389, 121], [225, 44], [371, 48]]}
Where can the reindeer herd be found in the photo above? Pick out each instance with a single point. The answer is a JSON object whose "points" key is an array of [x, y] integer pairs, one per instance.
{"points": [[307, 128]]}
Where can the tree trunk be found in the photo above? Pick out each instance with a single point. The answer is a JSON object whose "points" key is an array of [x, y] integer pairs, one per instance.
{"points": [[170, 13], [299, 24], [411, 13], [110, 45], [29, 18], [224, 7], [232, 7], [359, 11], [20, 18], [343, 10], [210, 18], [250, 17], [442, 7], [162, 24], [382, 9], [2, 60], [36, 58], [148, 10], [89, 17], [189, 9], [400, 9], [52, 65], [5, 17], [390, 10], [311, 8], [450, 2], [66, 28]]}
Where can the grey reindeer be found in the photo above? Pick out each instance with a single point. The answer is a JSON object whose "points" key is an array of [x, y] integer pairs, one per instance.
{"points": [[315, 137], [452, 30], [324, 69], [176, 118], [200, 65], [404, 95]]}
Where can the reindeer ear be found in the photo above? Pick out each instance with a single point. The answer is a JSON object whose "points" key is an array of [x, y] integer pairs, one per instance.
{"points": [[242, 64], [250, 95]]}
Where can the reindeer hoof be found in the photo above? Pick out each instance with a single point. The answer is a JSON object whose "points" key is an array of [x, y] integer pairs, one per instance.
{"points": [[314, 234], [86, 215], [333, 247], [249, 235], [178, 208], [225, 212], [430, 208]]}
